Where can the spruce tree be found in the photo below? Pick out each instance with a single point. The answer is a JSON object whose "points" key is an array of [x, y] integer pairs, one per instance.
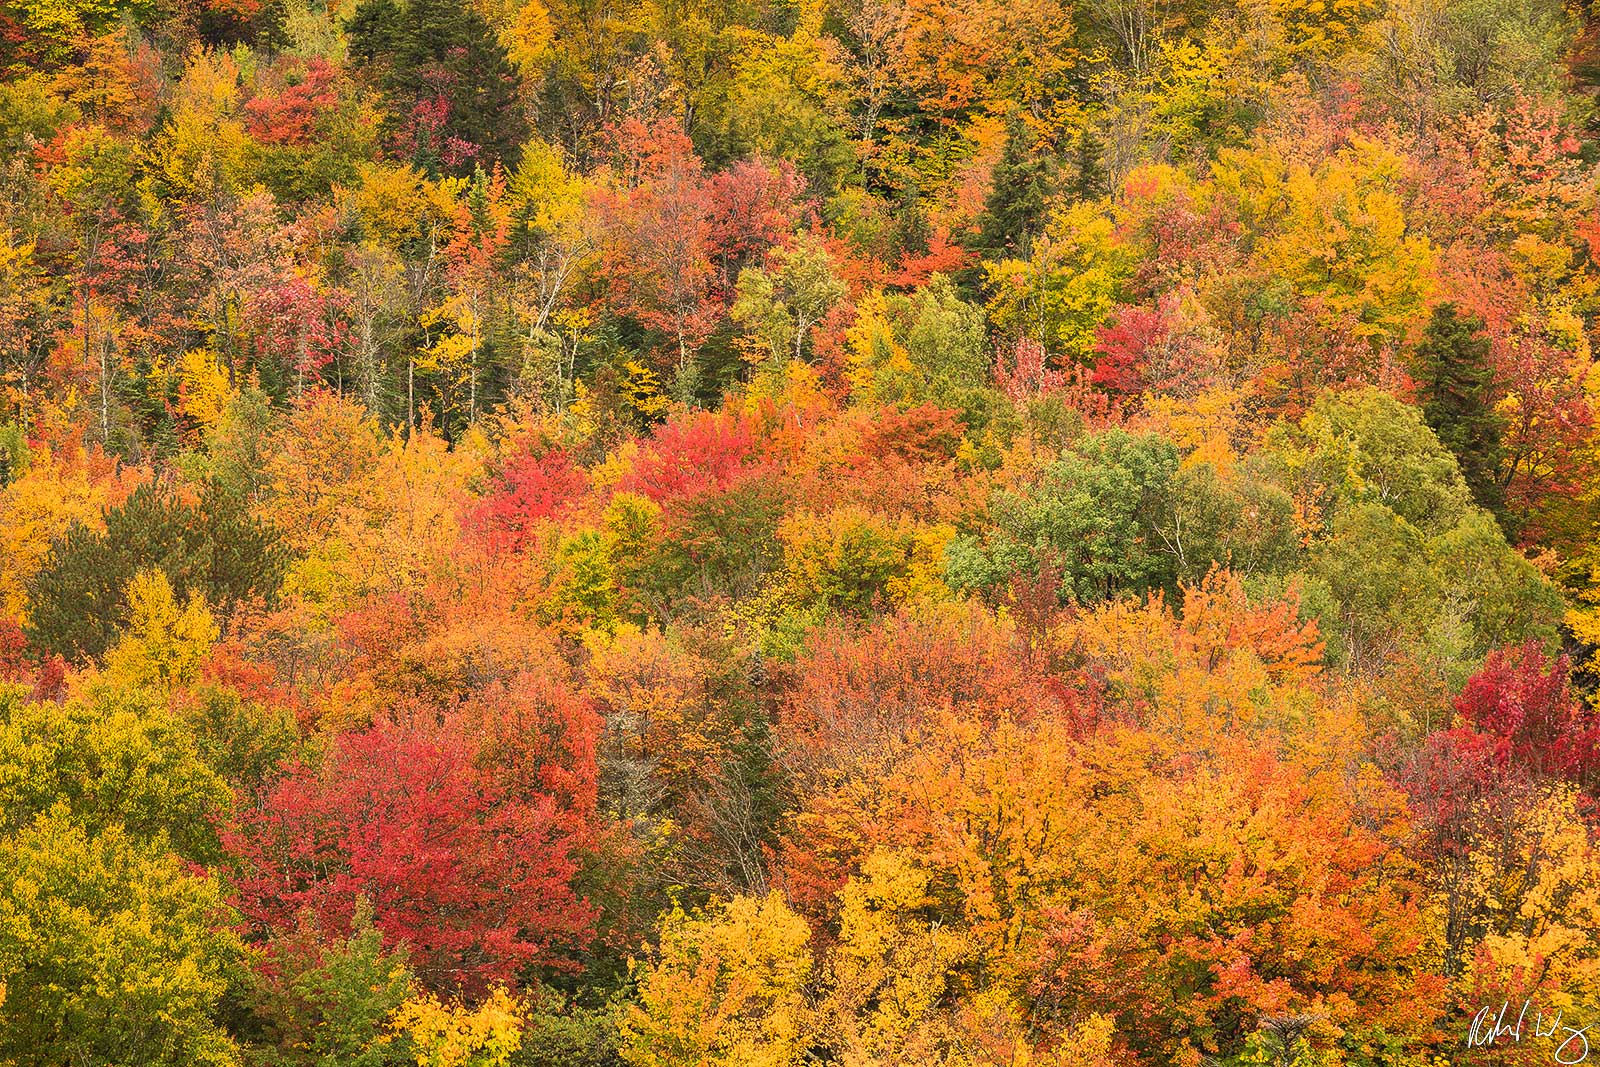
{"points": [[1455, 384], [1015, 208], [428, 51], [1088, 179]]}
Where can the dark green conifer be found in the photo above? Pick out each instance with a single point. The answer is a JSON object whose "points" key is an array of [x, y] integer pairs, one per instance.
{"points": [[1455, 384], [77, 601], [1014, 212], [451, 90]]}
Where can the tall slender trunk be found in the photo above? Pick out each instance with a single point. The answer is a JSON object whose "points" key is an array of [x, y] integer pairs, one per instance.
{"points": [[472, 370], [105, 390]]}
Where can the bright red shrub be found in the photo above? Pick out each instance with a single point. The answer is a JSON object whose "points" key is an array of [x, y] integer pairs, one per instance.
{"points": [[527, 489], [476, 880], [1523, 707], [13, 650], [703, 451]]}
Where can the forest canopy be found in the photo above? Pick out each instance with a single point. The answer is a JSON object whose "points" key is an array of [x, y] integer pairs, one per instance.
{"points": [[762, 533]]}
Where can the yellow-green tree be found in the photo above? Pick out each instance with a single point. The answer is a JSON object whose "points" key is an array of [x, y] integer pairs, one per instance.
{"points": [[726, 989]]}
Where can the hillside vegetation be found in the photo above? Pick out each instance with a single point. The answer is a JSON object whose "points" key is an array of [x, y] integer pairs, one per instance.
{"points": [[798, 533]]}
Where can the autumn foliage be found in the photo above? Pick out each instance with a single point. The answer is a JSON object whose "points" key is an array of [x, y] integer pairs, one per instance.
{"points": [[859, 533], [474, 879]]}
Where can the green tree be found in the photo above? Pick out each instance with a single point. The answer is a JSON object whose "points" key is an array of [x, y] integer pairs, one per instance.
{"points": [[1229, 518], [1096, 514], [1364, 445], [328, 1003], [216, 549], [722, 543], [780, 303], [108, 951], [1455, 384], [1018, 197], [945, 337], [559, 1034], [1394, 533], [452, 91], [243, 740], [1508, 600], [1375, 562], [13, 453]]}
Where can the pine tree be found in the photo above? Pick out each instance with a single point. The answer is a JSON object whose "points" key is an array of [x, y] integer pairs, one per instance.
{"points": [[79, 599], [1455, 384]]}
